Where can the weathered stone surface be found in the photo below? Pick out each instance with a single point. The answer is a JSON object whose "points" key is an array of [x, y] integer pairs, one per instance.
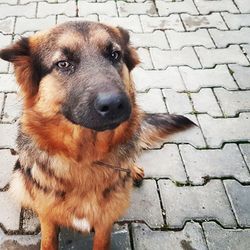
{"points": [[12, 108], [152, 101], [8, 134], [236, 21], [220, 163], [166, 8], [145, 58], [64, 18], [205, 7], [204, 102], [233, 102], [19, 242], [168, 165], [220, 130], [131, 22], [1, 101], [7, 25], [185, 203], [177, 103], [165, 58], [191, 237], [27, 10], [225, 38], [212, 57], [149, 79], [30, 221], [7, 83], [145, 205], [241, 75], [243, 5], [246, 50], [126, 9], [156, 39], [7, 162], [149, 24], [10, 212], [239, 197], [178, 40], [24, 24], [120, 239], [232, 238], [213, 20], [245, 149], [199, 78]]}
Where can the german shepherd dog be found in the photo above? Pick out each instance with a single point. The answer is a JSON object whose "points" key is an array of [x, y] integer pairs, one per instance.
{"points": [[81, 129]]}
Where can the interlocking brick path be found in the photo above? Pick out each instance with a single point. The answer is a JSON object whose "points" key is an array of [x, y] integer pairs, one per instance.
{"points": [[195, 60]]}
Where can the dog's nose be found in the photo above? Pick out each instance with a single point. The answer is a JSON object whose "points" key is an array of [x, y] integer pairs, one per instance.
{"points": [[112, 105]]}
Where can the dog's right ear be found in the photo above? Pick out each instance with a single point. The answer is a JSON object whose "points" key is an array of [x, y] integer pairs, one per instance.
{"points": [[19, 53], [16, 52]]}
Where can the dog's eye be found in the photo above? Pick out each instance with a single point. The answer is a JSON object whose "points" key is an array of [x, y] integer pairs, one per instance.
{"points": [[63, 65], [115, 55]]}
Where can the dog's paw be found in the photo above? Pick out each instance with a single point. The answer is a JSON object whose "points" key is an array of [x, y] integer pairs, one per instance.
{"points": [[137, 175]]}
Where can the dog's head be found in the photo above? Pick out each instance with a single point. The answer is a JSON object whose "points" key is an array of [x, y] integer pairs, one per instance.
{"points": [[80, 70]]}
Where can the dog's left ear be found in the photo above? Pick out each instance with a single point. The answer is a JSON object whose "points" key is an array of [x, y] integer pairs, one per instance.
{"points": [[20, 55], [131, 57]]}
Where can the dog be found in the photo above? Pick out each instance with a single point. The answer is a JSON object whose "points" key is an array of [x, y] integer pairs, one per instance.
{"points": [[80, 130]]}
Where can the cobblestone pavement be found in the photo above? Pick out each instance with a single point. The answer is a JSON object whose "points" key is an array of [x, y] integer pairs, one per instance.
{"points": [[195, 61]]}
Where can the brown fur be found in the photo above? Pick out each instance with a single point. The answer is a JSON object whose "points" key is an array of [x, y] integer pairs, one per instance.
{"points": [[57, 175]]}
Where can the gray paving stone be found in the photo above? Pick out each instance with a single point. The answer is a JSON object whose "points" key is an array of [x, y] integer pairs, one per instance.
{"points": [[236, 21], [224, 38], [131, 22], [231, 54], [7, 162], [9, 1], [168, 165], [145, 205], [206, 7], [26, 24], [45, 9], [167, 8], [12, 108], [191, 237], [220, 130], [233, 102], [8, 134], [195, 79], [1, 101], [107, 8], [246, 50], [213, 20], [219, 163], [245, 149], [239, 197], [164, 58], [7, 25], [4, 66], [155, 39], [241, 75], [63, 18], [28, 10], [150, 24], [145, 58], [178, 40], [204, 102], [10, 212], [152, 101], [232, 238], [192, 136], [186, 203], [168, 78], [73, 240], [243, 5], [177, 103], [19, 242], [30, 222], [8, 83], [126, 9], [5, 40]]}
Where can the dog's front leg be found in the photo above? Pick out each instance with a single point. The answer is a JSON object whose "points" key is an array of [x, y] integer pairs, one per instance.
{"points": [[49, 232], [102, 237]]}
